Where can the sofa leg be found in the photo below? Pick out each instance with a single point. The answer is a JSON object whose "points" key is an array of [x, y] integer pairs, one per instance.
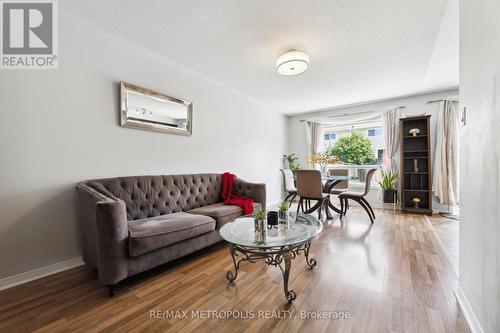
{"points": [[113, 288]]}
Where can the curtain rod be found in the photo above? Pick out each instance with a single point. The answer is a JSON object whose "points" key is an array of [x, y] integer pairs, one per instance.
{"points": [[357, 113], [440, 100]]}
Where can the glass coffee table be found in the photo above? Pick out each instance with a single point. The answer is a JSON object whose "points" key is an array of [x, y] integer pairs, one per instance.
{"points": [[276, 245]]}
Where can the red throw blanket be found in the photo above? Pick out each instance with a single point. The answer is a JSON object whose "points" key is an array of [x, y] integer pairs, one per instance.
{"points": [[231, 198]]}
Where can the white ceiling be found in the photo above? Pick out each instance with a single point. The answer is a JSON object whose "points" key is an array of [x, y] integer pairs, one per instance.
{"points": [[361, 50]]}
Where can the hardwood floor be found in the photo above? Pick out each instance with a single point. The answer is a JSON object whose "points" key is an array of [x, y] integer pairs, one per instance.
{"points": [[392, 276], [447, 232]]}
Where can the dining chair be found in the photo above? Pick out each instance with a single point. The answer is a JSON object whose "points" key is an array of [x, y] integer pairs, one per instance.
{"points": [[310, 188], [289, 185], [359, 197], [343, 185]]}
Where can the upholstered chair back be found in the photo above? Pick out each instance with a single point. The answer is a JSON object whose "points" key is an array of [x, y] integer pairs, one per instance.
{"points": [[309, 184], [343, 185], [369, 177], [288, 180]]}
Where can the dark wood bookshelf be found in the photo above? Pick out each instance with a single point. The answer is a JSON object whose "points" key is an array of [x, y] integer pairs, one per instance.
{"points": [[416, 151], [416, 191], [420, 136], [422, 157]]}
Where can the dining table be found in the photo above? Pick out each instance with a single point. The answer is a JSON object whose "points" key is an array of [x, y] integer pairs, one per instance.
{"points": [[329, 183]]}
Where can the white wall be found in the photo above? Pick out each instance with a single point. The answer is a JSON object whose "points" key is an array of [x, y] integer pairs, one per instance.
{"points": [[59, 127], [414, 105], [480, 160]]}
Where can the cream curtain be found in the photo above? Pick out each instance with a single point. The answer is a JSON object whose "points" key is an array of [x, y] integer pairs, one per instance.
{"points": [[313, 132], [391, 133], [445, 170]]}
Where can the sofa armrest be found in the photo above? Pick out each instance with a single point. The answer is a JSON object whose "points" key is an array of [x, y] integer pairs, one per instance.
{"points": [[112, 234], [254, 191], [87, 199]]}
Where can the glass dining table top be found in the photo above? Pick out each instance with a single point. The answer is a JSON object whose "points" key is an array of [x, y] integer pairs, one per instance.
{"points": [[338, 178], [299, 228]]}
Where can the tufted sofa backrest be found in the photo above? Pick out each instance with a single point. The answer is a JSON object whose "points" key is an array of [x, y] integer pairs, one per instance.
{"points": [[149, 196]]}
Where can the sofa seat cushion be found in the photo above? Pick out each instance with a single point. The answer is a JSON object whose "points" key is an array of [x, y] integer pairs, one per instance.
{"points": [[149, 234], [222, 213]]}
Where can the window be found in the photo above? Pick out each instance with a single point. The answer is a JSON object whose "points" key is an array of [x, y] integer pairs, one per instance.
{"points": [[380, 156], [330, 136], [372, 130], [375, 132]]}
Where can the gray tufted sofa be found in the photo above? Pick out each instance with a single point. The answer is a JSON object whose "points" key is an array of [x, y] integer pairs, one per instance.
{"points": [[132, 224]]}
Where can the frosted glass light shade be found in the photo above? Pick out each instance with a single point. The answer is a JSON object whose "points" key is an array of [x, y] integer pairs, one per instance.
{"points": [[292, 63]]}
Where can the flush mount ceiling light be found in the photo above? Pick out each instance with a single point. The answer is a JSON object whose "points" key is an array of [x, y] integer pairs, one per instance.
{"points": [[292, 63]]}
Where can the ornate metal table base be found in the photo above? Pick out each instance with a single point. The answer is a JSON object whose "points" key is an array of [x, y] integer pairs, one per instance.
{"points": [[329, 185], [274, 256]]}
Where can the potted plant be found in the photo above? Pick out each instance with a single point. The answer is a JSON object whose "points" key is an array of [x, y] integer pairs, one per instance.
{"points": [[388, 184], [283, 210], [291, 159], [260, 226], [259, 220], [324, 160]]}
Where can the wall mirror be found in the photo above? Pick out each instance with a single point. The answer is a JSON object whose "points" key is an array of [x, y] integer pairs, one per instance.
{"points": [[145, 109]]}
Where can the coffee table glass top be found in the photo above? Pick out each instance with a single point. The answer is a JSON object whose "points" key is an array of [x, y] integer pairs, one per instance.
{"points": [[298, 229]]}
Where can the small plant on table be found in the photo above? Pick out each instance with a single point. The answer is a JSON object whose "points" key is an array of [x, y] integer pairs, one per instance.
{"points": [[283, 210]]}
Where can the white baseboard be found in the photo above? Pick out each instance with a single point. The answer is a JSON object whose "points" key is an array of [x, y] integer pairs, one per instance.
{"points": [[38, 273], [469, 315]]}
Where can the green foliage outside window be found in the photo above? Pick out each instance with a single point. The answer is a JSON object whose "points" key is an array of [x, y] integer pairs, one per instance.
{"points": [[354, 149]]}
